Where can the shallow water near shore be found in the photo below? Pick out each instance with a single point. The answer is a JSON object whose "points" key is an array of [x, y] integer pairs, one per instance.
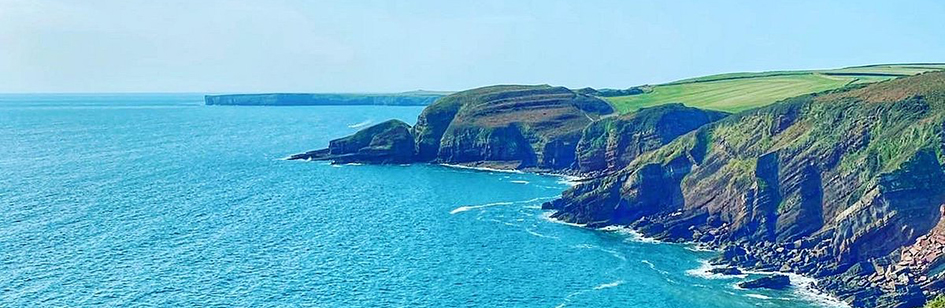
{"points": [[157, 200]]}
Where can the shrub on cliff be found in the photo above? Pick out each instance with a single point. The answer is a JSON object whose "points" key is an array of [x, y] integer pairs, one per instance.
{"points": [[938, 302]]}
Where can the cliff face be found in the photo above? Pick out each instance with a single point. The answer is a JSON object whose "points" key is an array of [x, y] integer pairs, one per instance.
{"points": [[500, 126], [612, 143], [831, 185], [534, 127], [389, 142], [521, 126], [846, 186], [418, 98]]}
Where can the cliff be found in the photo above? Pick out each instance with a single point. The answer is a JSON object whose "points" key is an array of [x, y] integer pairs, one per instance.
{"points": [[527, 127], [612, 143], [509, 126], [416, 98], [845, 186]]}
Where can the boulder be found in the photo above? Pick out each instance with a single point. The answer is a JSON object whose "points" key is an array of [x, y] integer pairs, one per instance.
{"points": [[776, 282]]}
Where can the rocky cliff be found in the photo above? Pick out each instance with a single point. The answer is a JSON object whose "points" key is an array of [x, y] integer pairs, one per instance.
{"points": [[612, 143], [846, 186], [509, 126], [525, 127]]}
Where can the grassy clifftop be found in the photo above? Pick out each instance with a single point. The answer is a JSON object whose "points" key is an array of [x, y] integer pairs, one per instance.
{"points": [[736, 92], [834, 185]]}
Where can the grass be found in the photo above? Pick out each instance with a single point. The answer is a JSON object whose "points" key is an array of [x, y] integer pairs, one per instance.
{"points": [[734, 92], [938, 302]]}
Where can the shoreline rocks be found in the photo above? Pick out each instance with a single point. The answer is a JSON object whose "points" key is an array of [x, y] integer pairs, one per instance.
{"points": [[774, 282]]}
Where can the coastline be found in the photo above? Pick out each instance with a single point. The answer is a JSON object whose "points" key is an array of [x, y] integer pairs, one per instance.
{"points": [[802, 286]]}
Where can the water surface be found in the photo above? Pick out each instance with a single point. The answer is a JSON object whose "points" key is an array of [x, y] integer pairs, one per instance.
{"points": [[149, 200]]}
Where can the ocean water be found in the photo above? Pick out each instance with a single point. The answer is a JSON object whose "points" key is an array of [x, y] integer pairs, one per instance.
{"points": [[154, 200]]}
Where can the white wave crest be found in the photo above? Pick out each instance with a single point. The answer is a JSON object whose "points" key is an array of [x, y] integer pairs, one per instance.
{"points": [[632, 235], [758, 296], [361, 124], [482, 168], [608, 285], [530, 231], [473, 207], [703, 271], [803, 288]]}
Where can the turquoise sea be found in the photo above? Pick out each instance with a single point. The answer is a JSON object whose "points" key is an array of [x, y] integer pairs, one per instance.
{"points": [[154, 200]]}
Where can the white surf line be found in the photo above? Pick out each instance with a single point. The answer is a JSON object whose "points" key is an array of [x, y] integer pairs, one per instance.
{"points": [[481, 168], [609, 285], [631, 234], [703, 271], [361, 124], [804, 291], [532, 232], [473, 207], [567, 298]]}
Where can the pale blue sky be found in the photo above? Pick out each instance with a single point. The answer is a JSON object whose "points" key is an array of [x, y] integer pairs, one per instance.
{"points": [[378, 46]]}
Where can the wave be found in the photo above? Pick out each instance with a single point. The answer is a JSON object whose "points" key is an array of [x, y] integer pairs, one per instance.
{"points": [[804, 288], [547, 216], [647, 262], [567, 298], [632, 234], [613, 253], [361, 124], [704, 271], [758, 296], [482, 168], [701, 248], [608, 285], [519, 182], [569, 180], [540, 235], [473, 207]]}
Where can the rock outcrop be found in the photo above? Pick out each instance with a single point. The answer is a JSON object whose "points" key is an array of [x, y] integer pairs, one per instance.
{"points": [[526, 127], [389, 142], [845, 186], [776, 282], [513, 127]]}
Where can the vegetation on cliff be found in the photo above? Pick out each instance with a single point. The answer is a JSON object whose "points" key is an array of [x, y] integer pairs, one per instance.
{"points": [[845, 185], [820, 184], [736, 92], [509, 126]]}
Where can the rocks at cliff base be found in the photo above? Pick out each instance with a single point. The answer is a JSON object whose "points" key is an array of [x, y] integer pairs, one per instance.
{"points": [[726, 270], [775, 282], [844, 186]]}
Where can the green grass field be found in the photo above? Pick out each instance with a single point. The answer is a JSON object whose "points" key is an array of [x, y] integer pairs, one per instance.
{"points": [[735, 92]]}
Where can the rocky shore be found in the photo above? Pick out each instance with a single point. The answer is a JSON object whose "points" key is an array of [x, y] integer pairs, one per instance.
{"points": [[844, 186]]}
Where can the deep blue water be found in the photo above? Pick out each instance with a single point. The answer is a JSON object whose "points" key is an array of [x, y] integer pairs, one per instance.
{"points": [[147, 200]]}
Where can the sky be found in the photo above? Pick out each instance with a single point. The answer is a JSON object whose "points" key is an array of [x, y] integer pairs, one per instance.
{"points": [[234, 46]]}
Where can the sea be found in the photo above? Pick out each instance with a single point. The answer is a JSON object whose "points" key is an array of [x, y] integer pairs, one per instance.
{"points": [[156, 200]]}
